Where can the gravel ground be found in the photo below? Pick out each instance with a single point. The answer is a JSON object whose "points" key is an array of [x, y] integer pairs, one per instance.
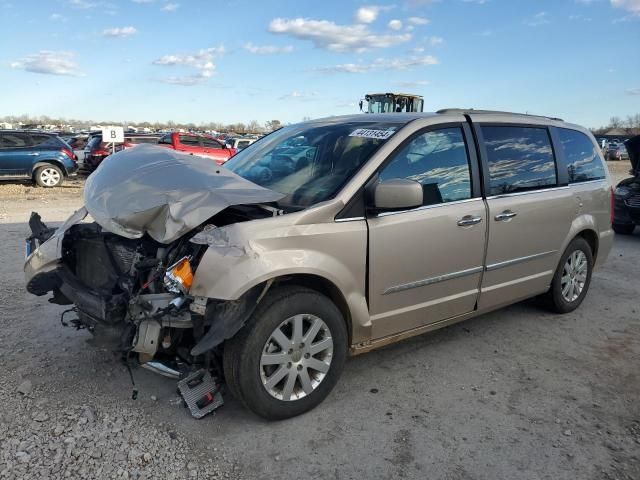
{"points": [[518, 393]]}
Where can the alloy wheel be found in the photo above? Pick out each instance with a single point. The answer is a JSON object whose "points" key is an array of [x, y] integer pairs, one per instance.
{"points": [[296, 358], [574, 276], [50, 177]]}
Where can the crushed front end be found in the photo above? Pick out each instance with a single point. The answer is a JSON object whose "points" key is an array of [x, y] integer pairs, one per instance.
{"points": [[126, 276]]}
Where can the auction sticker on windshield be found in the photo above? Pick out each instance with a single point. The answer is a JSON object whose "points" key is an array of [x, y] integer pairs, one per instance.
{"points": [[372, 133]]}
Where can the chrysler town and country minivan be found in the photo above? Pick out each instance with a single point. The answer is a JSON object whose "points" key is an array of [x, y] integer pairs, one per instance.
{"points": [[269, 271]]}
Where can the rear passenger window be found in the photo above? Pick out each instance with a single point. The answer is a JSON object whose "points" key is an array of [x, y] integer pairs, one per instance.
{"points": [[438, 160], [583, 161], [520, 159], [39, 139]]}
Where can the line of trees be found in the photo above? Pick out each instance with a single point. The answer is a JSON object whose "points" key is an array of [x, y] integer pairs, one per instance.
{"points": [[251, 127], [630, 124]]}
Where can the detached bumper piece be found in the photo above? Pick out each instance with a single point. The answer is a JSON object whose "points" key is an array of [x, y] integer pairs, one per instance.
{"points": [[201, 393]]}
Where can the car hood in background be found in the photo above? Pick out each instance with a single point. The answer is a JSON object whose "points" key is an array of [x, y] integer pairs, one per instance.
{"points": [[154, 190], [633, 148]]}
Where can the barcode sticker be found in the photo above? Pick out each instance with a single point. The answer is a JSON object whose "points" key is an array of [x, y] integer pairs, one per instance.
{"points": [[372, 133]]}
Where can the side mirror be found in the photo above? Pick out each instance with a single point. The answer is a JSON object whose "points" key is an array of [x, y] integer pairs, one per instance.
{"points": [[397, 194]]}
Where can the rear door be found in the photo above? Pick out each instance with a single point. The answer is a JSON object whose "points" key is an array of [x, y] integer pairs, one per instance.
{"points": [[530, 211], [425, 264], [16, 155]]}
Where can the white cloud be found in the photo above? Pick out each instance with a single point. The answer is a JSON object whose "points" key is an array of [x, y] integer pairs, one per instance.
{"points": [[49, 62], [434, 41], [633, 91], [418, 20], [367, 14], [170, 7], [334, 37], [119, 32], [201, 61], [82, 4], [478, 2], [299, 95], [56, 17], [632, 6], [267, 49], [395, 25], [142, 1], [538, 20], [413, 84], [381, 64]]}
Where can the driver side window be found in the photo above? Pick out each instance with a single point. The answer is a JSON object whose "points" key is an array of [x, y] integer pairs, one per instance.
{"points": [[438, 160]]}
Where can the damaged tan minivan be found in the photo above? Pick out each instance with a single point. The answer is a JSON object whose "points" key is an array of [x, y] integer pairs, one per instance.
{"points": [[325, 238]]}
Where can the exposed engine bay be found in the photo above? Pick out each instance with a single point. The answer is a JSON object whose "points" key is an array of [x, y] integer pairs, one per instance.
{"points": [[131, 289]]}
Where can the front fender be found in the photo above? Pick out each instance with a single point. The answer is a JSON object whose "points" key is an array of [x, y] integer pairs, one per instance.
{"points": [[244, 255]]}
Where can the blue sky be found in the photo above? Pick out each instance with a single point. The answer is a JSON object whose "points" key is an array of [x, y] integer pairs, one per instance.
{"points": [[239, 60]]}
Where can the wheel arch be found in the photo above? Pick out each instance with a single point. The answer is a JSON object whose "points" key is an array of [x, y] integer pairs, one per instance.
{"points": [[592, 239], [44, 163], [325, 287]]}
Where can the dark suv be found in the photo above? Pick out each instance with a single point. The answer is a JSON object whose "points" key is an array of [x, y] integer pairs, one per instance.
{"points": [[43, 157], [627, 193], [96, 150]]}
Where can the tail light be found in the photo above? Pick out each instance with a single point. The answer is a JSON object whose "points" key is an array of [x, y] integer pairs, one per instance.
{"points": [[179, 276], [69, 153], [612, 199]]}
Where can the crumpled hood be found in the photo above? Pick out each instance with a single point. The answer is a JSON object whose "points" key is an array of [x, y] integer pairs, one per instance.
{"points": [[633, 148], [155, 190]]}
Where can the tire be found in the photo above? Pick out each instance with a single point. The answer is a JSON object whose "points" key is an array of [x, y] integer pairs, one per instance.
{"points": [[49, 176], [564, 302], [623, 229], [248, 378]]}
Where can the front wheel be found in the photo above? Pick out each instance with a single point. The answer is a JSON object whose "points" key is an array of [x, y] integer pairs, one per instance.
{"points": [[289, 355], [572, 278]]}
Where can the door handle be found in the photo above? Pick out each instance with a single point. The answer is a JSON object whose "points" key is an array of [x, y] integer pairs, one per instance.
{"points": [[468, 220], [505, 216]]}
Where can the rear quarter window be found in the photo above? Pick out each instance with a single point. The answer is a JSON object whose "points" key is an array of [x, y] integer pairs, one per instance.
{"points": [[583, 161], [41, 139]]}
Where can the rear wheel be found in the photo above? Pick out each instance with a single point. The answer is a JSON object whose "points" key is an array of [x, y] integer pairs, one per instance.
{"points": [[49, 176], [572, 278], [623, 229], [289, 355]]}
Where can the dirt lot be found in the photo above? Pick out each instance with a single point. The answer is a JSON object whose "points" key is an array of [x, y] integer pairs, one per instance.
{"points": [[515, 394]]}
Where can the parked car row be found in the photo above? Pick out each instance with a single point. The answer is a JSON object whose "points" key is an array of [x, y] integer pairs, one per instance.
{"points": [[616, 152]]}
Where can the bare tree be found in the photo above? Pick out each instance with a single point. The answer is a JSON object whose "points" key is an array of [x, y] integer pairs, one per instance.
{"points": [[615, 122], [272, 125]]}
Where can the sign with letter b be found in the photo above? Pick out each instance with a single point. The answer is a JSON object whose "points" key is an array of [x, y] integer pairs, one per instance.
{"points": [[113, 135]]}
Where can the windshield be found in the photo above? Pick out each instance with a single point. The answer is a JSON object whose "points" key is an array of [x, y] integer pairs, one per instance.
{"points": [[310, 163], [381, 104]]}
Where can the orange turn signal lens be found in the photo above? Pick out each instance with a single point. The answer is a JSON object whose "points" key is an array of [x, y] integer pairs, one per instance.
{"points": [[179, 276]]}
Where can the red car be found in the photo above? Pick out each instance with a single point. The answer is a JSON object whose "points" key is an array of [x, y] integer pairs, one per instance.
{"points": [[202, 145]]}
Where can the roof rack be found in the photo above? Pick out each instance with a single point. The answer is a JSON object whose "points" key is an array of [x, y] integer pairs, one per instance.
{"points": [[471, 110]]}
